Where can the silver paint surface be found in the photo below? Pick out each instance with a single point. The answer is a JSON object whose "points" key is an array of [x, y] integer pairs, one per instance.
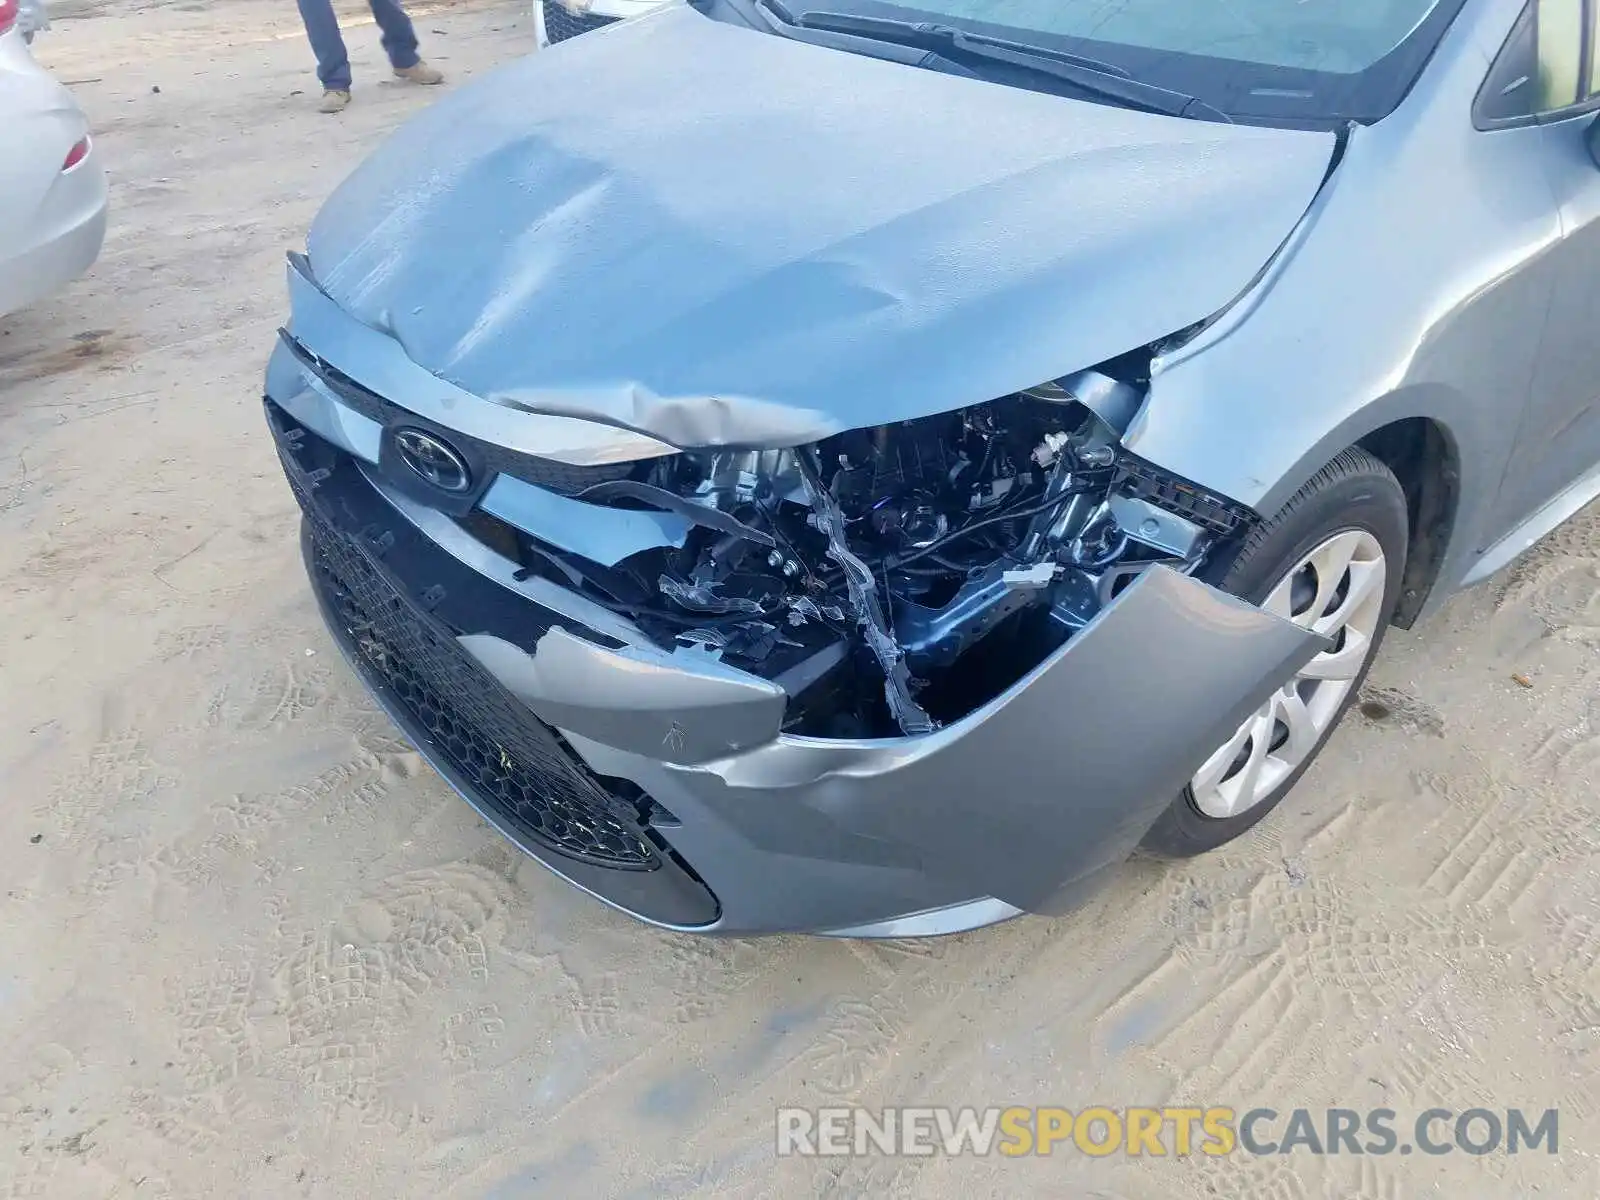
{"points": [[1016, 802], [786, 241], [683, 708], [1446, 273], [601, 534]]}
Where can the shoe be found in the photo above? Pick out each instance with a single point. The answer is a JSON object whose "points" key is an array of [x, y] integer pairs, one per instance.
{"points": [[334, 100], [421, 73]]}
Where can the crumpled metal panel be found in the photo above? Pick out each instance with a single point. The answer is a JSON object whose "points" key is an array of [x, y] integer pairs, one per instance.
{"points": [[1057, 778], [684, 707], [596, 532], [1067, 772], [717, 236], [599, 534], [1021, 800], [378, 363], [312, 403]]}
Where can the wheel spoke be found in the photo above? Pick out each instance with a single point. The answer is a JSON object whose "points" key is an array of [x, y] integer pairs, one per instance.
{"points": [[1240, 791], [1303, 732], [1215, 767], [1342, 664], [1280, 603], [1331, 561], [1366, 581]]}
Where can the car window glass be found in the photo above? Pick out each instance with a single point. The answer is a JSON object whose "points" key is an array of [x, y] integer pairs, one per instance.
{"points": [[1295, 62], [1343, 36], [1594, 53], [1540, 67], [1559, 24]]}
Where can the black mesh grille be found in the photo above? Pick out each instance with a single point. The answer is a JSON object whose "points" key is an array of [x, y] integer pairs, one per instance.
{"points": [[560, 23], [515, 764]]}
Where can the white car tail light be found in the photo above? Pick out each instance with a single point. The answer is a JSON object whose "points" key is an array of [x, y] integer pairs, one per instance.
{"points": [[78, 152]]}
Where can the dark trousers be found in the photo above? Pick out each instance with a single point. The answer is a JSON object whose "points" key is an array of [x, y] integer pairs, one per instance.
{"points": [[333, 63]]}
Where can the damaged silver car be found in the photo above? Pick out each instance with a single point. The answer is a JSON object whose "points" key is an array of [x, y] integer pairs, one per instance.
{"points": [[867, 471]]}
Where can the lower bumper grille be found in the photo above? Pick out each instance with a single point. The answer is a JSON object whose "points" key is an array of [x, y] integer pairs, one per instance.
{"points": [[514, 763], [561, 23]]}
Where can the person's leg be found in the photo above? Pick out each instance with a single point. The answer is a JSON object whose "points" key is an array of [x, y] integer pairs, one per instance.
{"points": [[399, 37], [322, 27]]}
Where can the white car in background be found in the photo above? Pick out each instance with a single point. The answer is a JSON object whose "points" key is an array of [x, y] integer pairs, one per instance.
{"points": [[52, 187], [557, 20]]}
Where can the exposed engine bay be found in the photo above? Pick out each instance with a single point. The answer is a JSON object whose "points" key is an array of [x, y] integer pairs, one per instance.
{"points": [[894, 579]]}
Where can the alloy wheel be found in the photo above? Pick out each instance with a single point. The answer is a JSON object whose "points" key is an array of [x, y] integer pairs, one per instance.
{"points": [[1337, 590]]}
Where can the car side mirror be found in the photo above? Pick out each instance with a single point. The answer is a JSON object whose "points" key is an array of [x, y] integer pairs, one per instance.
{"points": [[1592, 137]]}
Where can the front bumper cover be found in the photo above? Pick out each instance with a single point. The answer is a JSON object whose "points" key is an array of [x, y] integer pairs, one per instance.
{"points": [[745, 829]]}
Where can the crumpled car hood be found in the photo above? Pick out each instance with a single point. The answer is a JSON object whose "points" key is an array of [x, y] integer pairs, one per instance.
{"points": [[720, 237]]}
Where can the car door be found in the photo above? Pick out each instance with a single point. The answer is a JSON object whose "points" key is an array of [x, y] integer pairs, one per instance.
{"points": [[1548, 76]]}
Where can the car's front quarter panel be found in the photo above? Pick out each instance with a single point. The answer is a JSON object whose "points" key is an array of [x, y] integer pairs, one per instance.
{"points": [[1417, 287]]}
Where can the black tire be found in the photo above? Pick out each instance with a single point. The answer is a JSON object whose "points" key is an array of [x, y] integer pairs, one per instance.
{"points": [[1354, 491]]}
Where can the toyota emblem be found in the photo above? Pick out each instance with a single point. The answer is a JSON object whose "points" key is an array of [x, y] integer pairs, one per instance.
{"points": [[434, 460]]}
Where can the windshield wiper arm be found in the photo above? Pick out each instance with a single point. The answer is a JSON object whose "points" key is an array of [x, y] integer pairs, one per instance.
{"points": [[1101, 79], [775, 15]]}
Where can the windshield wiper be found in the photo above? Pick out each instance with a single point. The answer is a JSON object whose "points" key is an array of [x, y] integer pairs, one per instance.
{"points": [[1100, 79]]}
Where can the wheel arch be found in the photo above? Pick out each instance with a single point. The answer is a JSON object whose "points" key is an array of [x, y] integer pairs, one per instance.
{"points": [[1441, 448], [1425, 459]]}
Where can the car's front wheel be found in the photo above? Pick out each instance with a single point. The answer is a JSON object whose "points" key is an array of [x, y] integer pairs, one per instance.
{"points": [[1330, 560]]}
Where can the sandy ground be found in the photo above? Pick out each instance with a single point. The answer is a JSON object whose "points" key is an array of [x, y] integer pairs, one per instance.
{"points": [[250, 946]]}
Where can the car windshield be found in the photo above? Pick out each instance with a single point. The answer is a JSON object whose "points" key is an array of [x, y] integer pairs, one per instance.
{"points": [[1318, 60]]}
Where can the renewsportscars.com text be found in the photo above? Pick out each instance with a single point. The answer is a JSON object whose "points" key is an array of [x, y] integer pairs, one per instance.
{"points": [[1099, 1131]]}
